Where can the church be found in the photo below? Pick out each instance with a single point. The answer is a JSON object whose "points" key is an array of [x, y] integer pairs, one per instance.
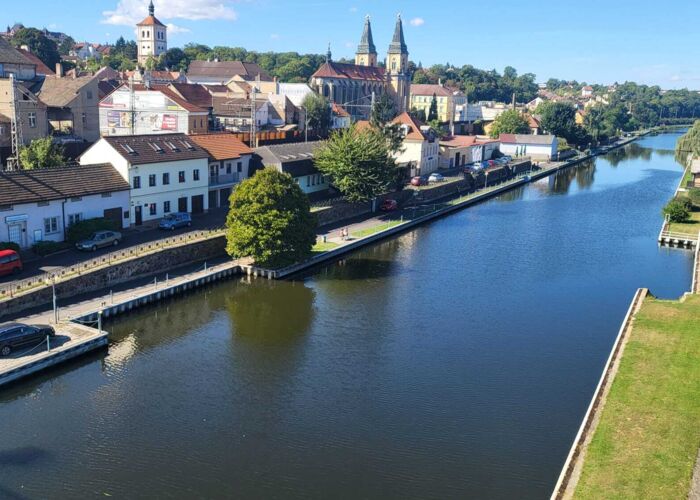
{"points": [[151, 37], [353, 86]]}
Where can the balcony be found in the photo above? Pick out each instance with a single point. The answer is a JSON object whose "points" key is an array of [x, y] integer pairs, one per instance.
{"points": [[222, 179]]}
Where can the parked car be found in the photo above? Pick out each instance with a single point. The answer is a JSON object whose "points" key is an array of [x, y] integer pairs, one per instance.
{"points": [[389, 205], [100, 239], [419, 180], [10, 262], [436, 177], [175, 220], [14, 335]]}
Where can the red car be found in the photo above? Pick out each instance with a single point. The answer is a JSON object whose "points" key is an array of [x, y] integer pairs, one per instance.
{"points": [[419, 180], [389, 205], [10, 263]]}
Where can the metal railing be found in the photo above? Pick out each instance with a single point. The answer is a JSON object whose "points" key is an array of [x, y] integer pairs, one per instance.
{"points": [[217, 180], [14, 288]]}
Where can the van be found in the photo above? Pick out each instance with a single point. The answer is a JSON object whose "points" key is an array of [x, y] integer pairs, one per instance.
{"points": [[10, 263]]}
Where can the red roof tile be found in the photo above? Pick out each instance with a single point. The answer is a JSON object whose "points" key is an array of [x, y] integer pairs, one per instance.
{"points": [[150, 21], [429, 90], [333, 69], [222, 146], [414, 132]]}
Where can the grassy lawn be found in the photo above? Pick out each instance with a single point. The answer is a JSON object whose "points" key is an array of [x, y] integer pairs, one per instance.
{"points": [[321, 247], [691, 227], [647, 440], [375, 229]]}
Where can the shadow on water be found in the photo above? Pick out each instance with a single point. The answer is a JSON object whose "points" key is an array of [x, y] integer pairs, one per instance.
{"points": [[632, 151], [378, 261], [561, 182]]}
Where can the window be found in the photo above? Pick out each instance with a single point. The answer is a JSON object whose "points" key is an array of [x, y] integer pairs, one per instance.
{"points": [[89, 94], [166, 207], [166, 179], [195, 174], [228, 167], [76, 198], [32, 119], [152, 180], [137, 182], [239, 167], [152, 209], [308, 180], [42, 204], [83, 118], [51, 225], [181, 176], [73, 218], [106, 195]]}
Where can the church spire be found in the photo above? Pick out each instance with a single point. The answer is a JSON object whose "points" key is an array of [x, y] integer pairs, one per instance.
{"points": [[151, 9], [329, 56], [398, 44], [366, 45]]}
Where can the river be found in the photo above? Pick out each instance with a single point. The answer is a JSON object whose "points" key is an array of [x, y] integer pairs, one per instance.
{"points": [[455, 360]]}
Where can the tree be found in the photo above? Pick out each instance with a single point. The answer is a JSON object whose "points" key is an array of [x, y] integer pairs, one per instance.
{"points": [[270, 220], [689, 144], [593, 122], [359, 162], [677, 210], [433, 110], [318, 113], [174, 59], [66, 46], [510, 122], [557, 118], [383, 111], [41, 153], [38, 44]]}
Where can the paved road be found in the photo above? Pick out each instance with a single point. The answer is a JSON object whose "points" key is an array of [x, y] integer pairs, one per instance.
{"points": [[131, 237]]}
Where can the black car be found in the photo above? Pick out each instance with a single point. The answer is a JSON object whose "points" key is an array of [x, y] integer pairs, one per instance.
{"points": [[18, 334]]}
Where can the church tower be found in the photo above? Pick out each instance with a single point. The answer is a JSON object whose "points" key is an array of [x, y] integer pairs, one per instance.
{"points": [[397, 67], [366, 54], [151, 37]]}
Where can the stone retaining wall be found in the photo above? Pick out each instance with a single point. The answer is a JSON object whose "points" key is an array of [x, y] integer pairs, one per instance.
{"points": [[122, 272]]}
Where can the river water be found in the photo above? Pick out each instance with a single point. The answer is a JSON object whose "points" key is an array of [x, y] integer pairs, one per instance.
{"points": [[453, 361]]}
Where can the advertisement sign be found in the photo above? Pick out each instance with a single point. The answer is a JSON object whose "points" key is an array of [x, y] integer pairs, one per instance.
{"points": [[119, 119]]}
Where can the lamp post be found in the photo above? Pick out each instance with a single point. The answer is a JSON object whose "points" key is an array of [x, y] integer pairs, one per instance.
{"points": [[51, 271]]}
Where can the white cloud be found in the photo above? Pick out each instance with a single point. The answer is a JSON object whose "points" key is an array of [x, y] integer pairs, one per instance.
{"points": [[174, 29], [274, 36], [130, 12], [417, 21]]}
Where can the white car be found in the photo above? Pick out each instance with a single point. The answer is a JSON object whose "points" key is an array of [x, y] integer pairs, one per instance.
{"points": [[435, 177]]}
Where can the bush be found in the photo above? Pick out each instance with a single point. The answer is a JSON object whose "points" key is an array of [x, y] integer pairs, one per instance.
{"points": [[83, 229], [694, 196], [8, 245], [677, 210], [48, 247]]}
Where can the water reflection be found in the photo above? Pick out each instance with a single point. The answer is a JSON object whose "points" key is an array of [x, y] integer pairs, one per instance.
{"points": [[379, 262], [633, 151]]}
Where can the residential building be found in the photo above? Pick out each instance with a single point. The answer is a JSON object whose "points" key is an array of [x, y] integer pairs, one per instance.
{"points": [[235, 114], [281, 111], [33, 121], [354, 86], [221, 72], [155, 109], [41, 68], [154, 77], [39, 205], [339, 117], [86, 50], [12, 62], [538, 147], [229, 164], [297, 160], [71, 106], [295, 92], [451, 103], [167, 173], [533, 121], [695, 172], [587, 91], [420, 148], [461, 150], [151, 37]]}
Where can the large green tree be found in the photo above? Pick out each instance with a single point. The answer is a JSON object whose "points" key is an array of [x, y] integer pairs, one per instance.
{"points": [[510, 122], [39, 45], [270, 220], [318, 113], [432, 114], [558, 118], [383, 110], [41, 153], [359, 162], [689, 144]]}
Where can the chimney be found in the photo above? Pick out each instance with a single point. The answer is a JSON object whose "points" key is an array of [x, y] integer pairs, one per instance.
{"points": [[59, 70]]}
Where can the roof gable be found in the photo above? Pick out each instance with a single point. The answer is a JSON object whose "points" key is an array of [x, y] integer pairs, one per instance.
{"points": [[332, 69], [413, 132], [222, 146]]}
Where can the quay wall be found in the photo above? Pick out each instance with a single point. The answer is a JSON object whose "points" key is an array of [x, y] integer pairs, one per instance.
{"points": [[121, 272]]}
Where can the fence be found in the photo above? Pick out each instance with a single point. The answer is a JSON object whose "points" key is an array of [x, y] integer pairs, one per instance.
{"points": [[47, 279]]}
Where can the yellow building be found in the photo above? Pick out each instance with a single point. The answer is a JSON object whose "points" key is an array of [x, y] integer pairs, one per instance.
{"points": [[451, 104]]}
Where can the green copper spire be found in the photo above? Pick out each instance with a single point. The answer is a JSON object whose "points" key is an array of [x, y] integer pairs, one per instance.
{"points": [[366, 42], [398, 44]]}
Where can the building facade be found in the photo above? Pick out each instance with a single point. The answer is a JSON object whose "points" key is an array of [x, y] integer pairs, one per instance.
{"points": [[297, 160], [451, 103], [151, 37], [420, 148]]}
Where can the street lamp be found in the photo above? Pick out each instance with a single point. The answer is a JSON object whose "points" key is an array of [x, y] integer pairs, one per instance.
{"points": [[51, 271]]}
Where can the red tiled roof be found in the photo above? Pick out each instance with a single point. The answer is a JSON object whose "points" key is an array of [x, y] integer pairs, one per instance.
{"points": [[458, 141], [194, 94], [363, 125], [150, 21], [333, 69], [429, 90], [414, 132], [158, 148], [41, 68], [222, 146], [170, 94], [340, 111]]}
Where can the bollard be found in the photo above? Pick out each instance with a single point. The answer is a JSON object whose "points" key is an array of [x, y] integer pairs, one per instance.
{"points": [[48, 344]]}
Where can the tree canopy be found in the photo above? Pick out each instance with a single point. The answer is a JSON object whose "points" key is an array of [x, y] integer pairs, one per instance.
{"points": [[432, 114], [41, 153], [510, 122], [689, 144], [559, 118], [270, 220], [358, 161], [383, 111], [318, 113], [39, 45]]}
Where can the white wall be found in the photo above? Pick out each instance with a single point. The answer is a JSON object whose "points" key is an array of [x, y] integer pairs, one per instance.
{"points": [[32, 215], [537, 151], [312, 183]]}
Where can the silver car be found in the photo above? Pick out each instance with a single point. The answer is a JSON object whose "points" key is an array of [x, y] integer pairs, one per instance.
{"points": [[100, 239]]}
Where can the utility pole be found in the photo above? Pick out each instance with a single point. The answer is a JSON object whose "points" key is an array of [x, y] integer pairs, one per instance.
{"points": [[15, 126], [253, 127], [132, 105]]}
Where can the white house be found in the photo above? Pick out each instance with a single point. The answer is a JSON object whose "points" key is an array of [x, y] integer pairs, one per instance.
{"points": [[461, 150], [538, 147], [40, 205], [296, 159], [229, 164], [420, 150], [167, 173]]}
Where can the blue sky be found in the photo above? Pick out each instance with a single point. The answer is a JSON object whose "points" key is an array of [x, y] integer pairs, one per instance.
{"points": [[597, 41]]}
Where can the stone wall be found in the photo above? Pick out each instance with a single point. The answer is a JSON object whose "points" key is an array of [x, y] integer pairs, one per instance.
{"points": [[104, 278]]}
